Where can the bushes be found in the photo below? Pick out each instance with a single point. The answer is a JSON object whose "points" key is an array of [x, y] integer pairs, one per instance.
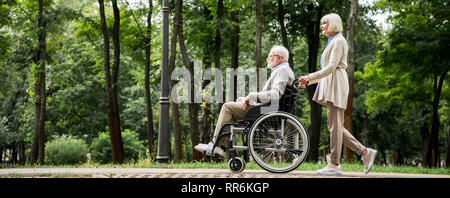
{"points": [[66, 150], [70, 150], [132, 146]]}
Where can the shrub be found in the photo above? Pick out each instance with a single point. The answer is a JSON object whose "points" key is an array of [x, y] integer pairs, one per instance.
{"points": [[132, 146], [66, 150]]}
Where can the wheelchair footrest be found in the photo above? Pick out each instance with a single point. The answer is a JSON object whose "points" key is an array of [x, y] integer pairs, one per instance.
{"points": [[208, 153]]}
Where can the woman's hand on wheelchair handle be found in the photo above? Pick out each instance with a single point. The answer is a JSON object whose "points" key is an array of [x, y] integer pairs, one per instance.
{"points": [[301, 85], [303, 81]]}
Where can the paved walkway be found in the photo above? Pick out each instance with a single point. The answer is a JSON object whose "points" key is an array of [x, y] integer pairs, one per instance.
{"points": [[186, 173]]}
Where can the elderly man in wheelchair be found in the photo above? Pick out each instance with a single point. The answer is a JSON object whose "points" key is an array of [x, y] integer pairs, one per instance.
{"points": [[277, 140]]}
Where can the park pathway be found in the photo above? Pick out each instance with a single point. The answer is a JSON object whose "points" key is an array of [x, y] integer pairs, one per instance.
{"points": [[185, 173]]}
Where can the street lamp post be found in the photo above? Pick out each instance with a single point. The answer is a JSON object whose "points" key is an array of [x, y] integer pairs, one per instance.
{"points": [[163, 135]]}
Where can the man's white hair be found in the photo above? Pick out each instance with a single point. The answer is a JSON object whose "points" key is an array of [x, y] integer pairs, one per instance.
{"points": [[334, 22], [280, 51]]}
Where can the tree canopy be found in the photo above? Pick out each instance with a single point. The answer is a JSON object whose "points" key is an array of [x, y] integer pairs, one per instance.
{"points": [[401, 93]]}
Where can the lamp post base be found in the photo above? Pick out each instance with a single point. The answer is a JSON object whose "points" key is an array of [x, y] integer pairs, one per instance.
{"points": [[162, 159]]}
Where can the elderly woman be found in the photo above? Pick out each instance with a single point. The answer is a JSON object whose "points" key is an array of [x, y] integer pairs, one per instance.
{"points": [[332, 92]]}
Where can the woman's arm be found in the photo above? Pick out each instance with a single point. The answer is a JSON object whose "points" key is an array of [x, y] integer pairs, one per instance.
{"points": [[336, 55]]}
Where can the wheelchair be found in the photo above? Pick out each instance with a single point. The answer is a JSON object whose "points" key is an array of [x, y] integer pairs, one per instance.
{"points": [[277, 140]]}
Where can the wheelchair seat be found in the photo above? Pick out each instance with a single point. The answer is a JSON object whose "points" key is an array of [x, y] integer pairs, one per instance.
{"points": [[285, 104]]}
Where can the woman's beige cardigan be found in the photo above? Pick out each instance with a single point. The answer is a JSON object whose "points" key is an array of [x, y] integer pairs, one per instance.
{"points": [[332, 78]]}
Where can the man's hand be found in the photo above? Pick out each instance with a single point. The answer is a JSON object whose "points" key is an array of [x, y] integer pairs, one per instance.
{"points": [[240, 99], [245, 102]]}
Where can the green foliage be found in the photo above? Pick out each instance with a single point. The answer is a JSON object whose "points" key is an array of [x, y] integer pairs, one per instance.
{"points": [[394, 69], [402, 83], [66, 150], [100, 148], [408, 64], [5, 136]]}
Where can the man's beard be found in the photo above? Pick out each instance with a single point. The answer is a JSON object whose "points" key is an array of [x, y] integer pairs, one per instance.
{"points": [[270, 65]]}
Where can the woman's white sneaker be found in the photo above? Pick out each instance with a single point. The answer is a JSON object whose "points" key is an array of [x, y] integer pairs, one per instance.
{"points": [[368, 159], [330, 169]]}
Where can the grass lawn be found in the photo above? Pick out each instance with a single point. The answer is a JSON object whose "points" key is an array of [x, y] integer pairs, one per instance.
{"points": [[350, 167]]}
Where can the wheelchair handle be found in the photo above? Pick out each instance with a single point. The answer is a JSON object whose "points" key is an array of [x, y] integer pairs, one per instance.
{"points": [[296, 83]]}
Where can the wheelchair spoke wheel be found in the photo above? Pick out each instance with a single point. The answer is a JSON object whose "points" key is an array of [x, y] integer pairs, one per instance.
{"points": [[278, 142]]}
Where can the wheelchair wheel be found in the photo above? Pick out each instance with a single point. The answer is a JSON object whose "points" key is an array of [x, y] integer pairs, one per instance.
{"points": [[236, 165], [278, 142]]}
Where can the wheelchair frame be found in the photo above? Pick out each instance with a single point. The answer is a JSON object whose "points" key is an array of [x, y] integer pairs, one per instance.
{"points": [[249, 122]]}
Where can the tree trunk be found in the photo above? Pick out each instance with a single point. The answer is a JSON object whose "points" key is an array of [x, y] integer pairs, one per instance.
{"points": [[38, 145], [350, 69], [426, 143], [435, 120], [14, 153], [205, 130], [284, 32], [148, 101], [147, 38], [394, 158], [365, 129], [111, 82], [193, 118], [175, 110], [205, 126], [257, 46], [313, 33], [340, 6], [193, 107], [218, 43], [383, 154], [235, 48], [447, 158], [116, 134], [205, 122], [22, 157]]}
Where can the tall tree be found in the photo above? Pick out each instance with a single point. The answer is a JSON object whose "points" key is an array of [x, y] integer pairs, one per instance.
{"points": [[210, 44], [234, 15], [175, 109], [314, 14], [284, 35], [218, 41], [351, 70], [447, 158], [193, 107], [148, 101], [257, 46], [38, 146], [111, 81], [218, 38]]}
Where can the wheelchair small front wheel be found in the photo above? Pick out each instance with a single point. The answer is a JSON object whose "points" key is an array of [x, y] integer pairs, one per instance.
{"points": [[278, 142], [236, 165]]}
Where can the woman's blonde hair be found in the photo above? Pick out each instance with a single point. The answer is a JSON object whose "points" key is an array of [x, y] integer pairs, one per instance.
{"points": [[334, 22]]}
